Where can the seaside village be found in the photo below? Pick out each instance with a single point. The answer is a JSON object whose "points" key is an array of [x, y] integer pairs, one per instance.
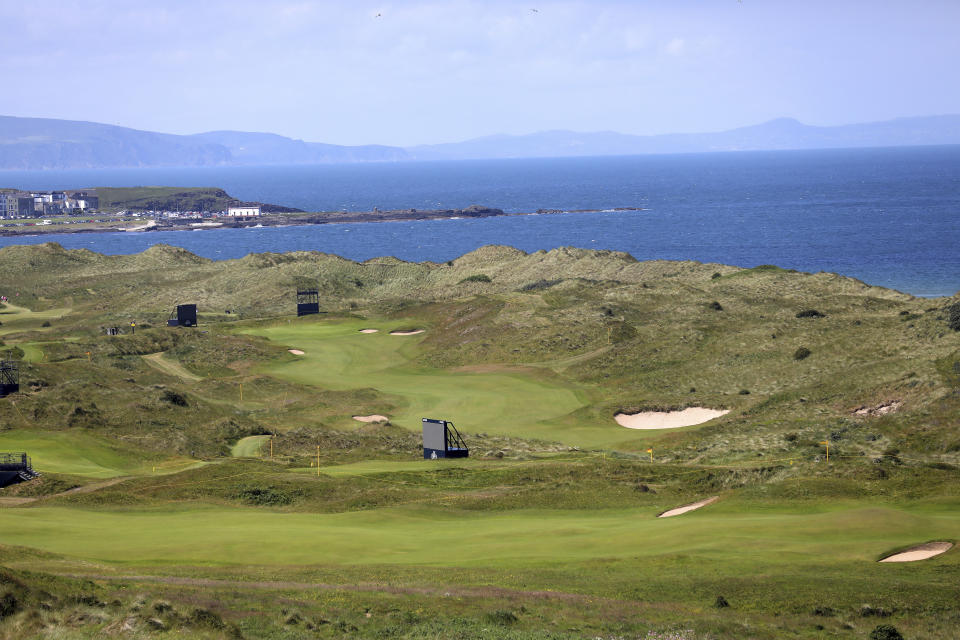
{"points": [[37, 205]]}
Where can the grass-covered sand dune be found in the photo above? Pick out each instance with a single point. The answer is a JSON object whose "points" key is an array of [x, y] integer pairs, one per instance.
{"points": [[159, 489]]}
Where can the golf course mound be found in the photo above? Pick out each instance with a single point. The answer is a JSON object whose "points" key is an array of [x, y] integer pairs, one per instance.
{"points": [[668, 419], [920, 552], [296, 352], [369, 330], [371, 418], [688, 507], [412, 332]]}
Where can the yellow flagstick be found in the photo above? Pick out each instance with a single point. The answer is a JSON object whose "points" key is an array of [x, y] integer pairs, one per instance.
{"points": [[827, 444], [650, 451]]}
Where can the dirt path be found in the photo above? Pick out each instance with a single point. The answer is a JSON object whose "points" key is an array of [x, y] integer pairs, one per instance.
{"points": [[170, 367]]}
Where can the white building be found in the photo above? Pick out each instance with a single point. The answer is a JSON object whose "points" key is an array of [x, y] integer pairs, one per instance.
{"points": [[243, 211]]}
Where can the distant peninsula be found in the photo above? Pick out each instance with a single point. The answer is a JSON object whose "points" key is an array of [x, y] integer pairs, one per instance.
{"points": [[43, 143], [187, 208]]}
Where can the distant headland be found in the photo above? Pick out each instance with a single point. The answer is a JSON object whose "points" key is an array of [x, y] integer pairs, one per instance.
{"points": [[100, 209]]}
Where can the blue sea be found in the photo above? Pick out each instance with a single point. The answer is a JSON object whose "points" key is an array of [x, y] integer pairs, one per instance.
{"points": [[890, 217]]}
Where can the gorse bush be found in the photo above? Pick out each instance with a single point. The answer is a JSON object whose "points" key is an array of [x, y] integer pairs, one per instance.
{"points": [[801, 353], [477, 277], [810, 313], [501, 616], [885, 632], [953, 316]]}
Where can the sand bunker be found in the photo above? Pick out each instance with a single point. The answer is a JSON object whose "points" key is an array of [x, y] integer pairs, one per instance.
{"points": [[668, 419], [373, 418], [688, 507], [369, 330], [295, 352], [406, 333], [920, 552]]}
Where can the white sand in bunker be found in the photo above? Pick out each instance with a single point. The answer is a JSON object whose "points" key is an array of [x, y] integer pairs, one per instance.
{"points": [[296, 352], [369, 330], [374, 418], [688, 507], [920, 552], [668, 419], [406, 333]]}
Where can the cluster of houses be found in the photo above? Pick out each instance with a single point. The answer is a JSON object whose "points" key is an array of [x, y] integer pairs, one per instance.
{"points": [[25, 204], [38, 204]]}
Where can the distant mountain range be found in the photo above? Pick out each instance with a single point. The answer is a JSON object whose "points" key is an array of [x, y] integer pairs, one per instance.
{"points": [[784, 133], [40, 143]]}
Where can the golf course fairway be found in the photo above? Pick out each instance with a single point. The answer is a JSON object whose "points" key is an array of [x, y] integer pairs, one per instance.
{"points": [[509, 402], [530, 537]]}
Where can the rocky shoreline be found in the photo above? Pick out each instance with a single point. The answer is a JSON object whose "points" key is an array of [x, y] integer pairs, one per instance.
{"points": [[274, 220]]}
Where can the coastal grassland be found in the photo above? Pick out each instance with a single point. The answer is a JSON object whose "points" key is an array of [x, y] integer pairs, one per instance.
{"points": [[114, 199], [549, 529]]}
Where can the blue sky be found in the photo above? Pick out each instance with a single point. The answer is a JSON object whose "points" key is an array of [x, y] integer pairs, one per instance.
{"points": [[358, 72]]}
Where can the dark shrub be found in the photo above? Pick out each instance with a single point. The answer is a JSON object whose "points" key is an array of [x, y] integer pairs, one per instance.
{"points": [[501, 616], [539, 284], [8, 605], [721, 603], [477, 277], [791, 437], [716, 306], [744, 392], [206, 618], [823, 611], [716, 274], [266, 496], [46, 323], [953, 317], [801, 353], [866, 611], [174, 398], [810, 313], [885, 632]]}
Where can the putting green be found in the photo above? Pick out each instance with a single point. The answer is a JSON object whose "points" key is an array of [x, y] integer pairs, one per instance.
{"points": [[527, 404], [15, 318], [75, 454], [250, 447], [749, 541]]}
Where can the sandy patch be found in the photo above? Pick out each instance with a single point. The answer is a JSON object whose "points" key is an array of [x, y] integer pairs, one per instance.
{"points": [[668, 419], [295, 352], [879, 410], [920, 552], [688, 507], [406, 333], [369, 330], [374, 418]]}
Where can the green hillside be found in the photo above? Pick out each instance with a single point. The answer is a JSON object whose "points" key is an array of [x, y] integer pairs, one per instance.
{"points": [[216, 482], [114, 199]]}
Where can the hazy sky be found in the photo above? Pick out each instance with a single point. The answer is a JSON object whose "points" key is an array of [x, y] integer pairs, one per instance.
{"points": [[409, 72]]}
